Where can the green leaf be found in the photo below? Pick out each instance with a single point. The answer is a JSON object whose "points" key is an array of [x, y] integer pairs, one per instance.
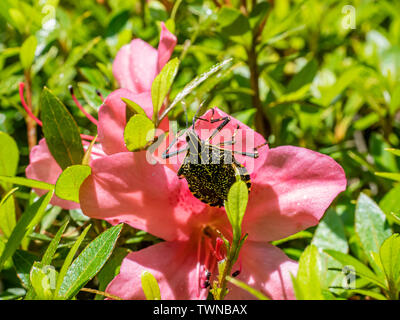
{"points": [[70, 180], [370, 224], [42, 279], [28, 182], [150, 286], [18, 18], [28, 221], [27, 53], [162, 84], [259, 295], [52, 248], [383, 160], [234, 25], [89, 94], [395, 217], [369, 293], [390, 258], [236, 204], [361, 269], [345, 80], [330, 234], [89, 262], [94, 76], [299, 235], [9, 157], [60, 130], [133, 107], [7, 213], [64, 74], [111, 269], [391, 202], [303, 77], [69, 258], [139, 131], [88, 153], [117, 22], [396, 152], [170, 24], [23, 262], [366, 121], [308, 282], [195, 83], [389, 175], [258, 13]]}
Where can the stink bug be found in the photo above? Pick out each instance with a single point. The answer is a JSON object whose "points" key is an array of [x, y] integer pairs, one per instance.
{"points": [[210, 170]]}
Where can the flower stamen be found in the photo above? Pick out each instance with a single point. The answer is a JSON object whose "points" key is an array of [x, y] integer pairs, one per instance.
{"points": [[24, 104], [100, 95], [198, 264], [90, 117]]}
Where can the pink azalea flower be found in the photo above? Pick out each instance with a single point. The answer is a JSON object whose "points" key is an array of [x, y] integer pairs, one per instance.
{"points": [[138, 63], [42, 166], [135, 67], [291, 189]]}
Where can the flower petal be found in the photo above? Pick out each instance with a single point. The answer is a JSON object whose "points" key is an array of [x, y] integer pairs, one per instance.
{"points": [[112, 118], [165, 47], [43, 167], [291, 192], [173, 264], [124, 187], [265, 268], [246, 139], [138, 63], [135, 66]]}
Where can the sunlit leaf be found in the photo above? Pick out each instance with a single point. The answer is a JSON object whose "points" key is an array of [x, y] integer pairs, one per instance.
{"points": [[29, 219], [162, 84], [308, 281], [60, 130], [236, 205], [139, 131], [89, 262], [9, 157], [370, 224], [27, 53], [70, 180]]}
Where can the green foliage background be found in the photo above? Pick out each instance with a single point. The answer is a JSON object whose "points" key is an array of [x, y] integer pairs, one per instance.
{"points": [[298, 76]]}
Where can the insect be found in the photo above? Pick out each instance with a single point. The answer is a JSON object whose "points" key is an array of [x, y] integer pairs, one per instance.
{"points": [[210, 170], [206, 282]]}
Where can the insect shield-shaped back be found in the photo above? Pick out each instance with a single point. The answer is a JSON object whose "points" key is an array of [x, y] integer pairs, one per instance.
{"points": [[210, 170]]}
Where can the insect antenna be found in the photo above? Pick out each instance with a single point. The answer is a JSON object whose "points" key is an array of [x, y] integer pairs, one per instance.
{"points": [[184, 107], [197, 113]]}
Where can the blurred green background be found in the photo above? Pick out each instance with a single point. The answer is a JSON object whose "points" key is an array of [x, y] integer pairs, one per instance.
{"points": [[324, 75]]}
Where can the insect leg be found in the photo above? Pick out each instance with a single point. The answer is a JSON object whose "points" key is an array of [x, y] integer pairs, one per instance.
{"points": [[231, 142], [250, 154], [220, 127], [166, 153], [197, 112], [174, 153]]}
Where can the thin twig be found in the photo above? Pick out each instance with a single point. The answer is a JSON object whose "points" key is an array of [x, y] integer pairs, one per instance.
{"points": [[30, 123], [102, 293]]}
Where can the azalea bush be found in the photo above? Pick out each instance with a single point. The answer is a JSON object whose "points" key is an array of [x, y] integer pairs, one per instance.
{"points": [[199, 150]]}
